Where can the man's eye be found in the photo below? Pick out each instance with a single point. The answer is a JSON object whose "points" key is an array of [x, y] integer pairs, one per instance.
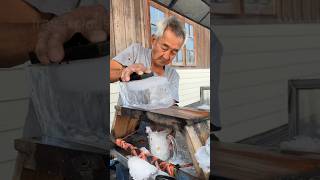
{"points": [[164, 48]]}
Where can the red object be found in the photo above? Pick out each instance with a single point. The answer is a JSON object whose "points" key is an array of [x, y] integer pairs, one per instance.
{"points": [[162, 165]]}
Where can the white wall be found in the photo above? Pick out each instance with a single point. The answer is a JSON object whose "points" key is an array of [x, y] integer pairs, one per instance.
{"points": [[189, 88], [257, 63], [13, 109]]}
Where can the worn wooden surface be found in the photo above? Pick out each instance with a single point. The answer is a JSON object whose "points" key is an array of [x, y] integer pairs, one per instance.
{"points": [[183, 113], [129, 24], [239, 161], [41, 161], [126, 122], [194, 142]]}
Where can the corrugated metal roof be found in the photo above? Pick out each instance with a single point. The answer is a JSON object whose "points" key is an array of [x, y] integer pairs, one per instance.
{"points": [[196, 10]]}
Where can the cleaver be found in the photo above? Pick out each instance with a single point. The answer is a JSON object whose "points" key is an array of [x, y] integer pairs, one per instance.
{"points": [[84, 67]]}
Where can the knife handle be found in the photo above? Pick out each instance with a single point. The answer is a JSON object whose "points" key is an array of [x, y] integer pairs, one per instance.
{"points": [[78, 48], [134, 76]]}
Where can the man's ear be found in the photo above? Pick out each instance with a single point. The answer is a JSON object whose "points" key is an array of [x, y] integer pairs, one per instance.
{"points": [[153, 39]]}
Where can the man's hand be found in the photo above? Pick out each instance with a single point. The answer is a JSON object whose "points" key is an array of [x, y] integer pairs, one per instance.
{"points": [[91, 21], [137, 68]]}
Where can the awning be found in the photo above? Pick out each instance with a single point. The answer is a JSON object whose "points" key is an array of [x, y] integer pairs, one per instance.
{"points": [[196, 10]]}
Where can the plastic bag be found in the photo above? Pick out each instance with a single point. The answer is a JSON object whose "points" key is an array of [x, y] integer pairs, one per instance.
{"points": [[150, 93], [71, 114]]}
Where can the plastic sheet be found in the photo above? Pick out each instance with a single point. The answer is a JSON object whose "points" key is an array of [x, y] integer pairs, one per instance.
{"points": [[75, 115], [150, 93]]}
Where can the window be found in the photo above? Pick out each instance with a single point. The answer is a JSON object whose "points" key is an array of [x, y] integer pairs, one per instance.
{"points": [[178, 60], [155, 16], [186, 55], [190, 60]]}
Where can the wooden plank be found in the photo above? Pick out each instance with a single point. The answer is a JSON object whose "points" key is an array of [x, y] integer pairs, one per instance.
{"points": [[145, 25], [119, 24], [194, 143], [251, 162], [126, 121], [112, 34], [129, 23], [182, 113], [138, 20]]}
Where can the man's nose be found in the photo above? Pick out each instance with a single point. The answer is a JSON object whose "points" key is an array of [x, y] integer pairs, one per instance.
{"points": [[166, 55]]}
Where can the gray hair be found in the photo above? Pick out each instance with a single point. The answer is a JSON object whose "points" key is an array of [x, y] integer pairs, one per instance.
{"points": [[174, 24]]}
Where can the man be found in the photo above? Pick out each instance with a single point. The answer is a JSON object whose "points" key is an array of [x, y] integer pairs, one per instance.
{"points": [[166, 42]]}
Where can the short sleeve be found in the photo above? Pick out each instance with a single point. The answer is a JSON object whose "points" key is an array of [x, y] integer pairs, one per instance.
{"points": [[128, 56]]}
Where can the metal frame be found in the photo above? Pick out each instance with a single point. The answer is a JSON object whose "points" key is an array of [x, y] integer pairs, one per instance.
{"points": [[203, 88], [294, 86]]}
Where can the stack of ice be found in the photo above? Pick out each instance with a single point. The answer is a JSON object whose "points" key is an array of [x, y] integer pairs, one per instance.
{"points": [[140, 169], [150, 93], [203, 156]]}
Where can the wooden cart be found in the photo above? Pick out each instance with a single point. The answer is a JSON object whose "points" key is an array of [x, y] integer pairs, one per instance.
{"points": [[192, 123]]}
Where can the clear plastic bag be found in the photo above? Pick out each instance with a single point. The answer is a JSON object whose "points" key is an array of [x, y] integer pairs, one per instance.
{"points": [[70, 113], [150, 93]]}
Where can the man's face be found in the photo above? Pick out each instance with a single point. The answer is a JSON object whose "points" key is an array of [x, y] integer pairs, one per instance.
{"points": [[165, 48]]}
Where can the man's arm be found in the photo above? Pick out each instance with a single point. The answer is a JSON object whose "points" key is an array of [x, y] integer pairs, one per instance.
{"points": [[18, 31], [16, 41], [115, 70]]}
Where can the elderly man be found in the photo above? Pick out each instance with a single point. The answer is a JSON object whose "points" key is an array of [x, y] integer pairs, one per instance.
{"points": [[166, 42]]}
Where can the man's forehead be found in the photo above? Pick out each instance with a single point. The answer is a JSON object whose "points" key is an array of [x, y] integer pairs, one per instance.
{"points": [[171, 39]]}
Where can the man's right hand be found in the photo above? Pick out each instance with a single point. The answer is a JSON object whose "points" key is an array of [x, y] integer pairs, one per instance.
{"points": [[137, 68], [91, 21]]}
